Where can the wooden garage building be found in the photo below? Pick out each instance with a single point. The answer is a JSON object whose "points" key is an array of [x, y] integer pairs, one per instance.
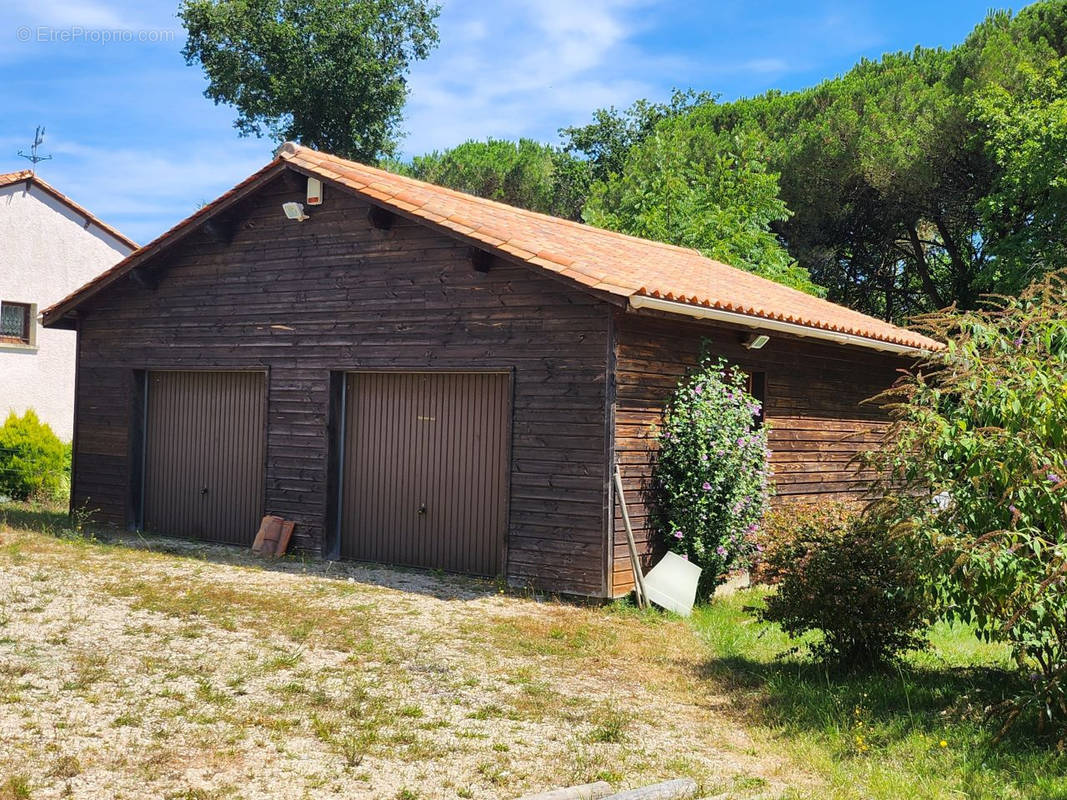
{"points": [[421, 377]]}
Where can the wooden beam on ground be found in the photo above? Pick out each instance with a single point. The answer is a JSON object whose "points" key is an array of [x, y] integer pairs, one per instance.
{"points": [[679, 789], [587, 791]]}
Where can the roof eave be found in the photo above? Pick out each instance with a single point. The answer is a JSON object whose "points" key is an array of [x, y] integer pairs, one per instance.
{"points": [[639, 301]]}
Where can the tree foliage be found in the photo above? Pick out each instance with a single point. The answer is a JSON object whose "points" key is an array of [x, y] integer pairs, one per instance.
{"points": [[922, 179], [327, 73], [975, 463], [607, 140], [526, 173], [709, 191], [34, 463]]}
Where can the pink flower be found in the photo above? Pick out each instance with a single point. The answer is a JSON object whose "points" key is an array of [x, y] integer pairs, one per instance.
{"points": [[706, 487], [677, 534], [721, 551]]}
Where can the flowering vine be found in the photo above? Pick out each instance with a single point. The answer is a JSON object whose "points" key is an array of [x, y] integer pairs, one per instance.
{"points": [[711, 479]]}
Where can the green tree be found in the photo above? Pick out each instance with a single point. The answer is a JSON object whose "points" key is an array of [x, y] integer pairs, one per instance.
{"points": [[701, 189], [922, 179], [606, 141], [975, 463], [526, 174], [327, 73], [34, 464], [1026, 210]]}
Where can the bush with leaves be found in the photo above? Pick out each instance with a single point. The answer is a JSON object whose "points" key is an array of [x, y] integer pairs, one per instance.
{"points": [[34, 463], [785, 525], [710, 481], [976, 472], [850, 580]]}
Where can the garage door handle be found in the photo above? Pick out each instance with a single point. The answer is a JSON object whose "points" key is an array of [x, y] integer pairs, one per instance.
{"points": [[203, 491], [422, 509]]}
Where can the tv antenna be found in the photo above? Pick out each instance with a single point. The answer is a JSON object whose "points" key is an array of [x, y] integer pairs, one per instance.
{"points": [[38, 140]]}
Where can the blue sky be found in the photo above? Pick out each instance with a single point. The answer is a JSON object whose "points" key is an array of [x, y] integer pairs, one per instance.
{"points": [[135, 141]]}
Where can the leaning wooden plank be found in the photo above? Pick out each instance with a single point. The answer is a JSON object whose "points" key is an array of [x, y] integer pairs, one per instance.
{"points": [[668, 790], [587, 791], [283, 539], [635, 562]]}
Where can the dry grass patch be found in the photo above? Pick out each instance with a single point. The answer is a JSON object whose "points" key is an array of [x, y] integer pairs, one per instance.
{"points": [[191, 672]]}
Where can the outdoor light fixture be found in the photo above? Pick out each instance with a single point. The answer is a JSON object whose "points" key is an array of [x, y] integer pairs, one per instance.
{"points": [[295, 211], [755, 341]]}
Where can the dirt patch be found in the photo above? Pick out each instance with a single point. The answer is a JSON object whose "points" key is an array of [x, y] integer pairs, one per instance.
{"points": [[196, 672]]}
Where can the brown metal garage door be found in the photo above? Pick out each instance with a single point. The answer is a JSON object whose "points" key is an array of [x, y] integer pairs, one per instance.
{"points": [[426, 470], [204, 454]]}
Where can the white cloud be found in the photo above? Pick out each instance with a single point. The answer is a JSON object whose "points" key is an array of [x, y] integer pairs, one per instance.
{"points": [[90, 14], [525, 68], [143, 191]]}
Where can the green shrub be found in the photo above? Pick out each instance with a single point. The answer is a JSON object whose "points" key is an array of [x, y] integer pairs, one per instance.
{"points": [[853, 583], [783, 526], [34, 464], [976, 472], [710, 481]]}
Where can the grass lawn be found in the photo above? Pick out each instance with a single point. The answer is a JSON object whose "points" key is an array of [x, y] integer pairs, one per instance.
{"points": [[132, 669], [916, 731]]}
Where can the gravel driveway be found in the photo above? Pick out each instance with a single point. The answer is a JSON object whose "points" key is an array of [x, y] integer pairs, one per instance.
{"points": [[137, 669]]}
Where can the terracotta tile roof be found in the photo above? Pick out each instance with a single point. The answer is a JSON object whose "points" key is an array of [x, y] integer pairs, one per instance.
{"points": [[601, 260], [9, 178], [27, 175]]}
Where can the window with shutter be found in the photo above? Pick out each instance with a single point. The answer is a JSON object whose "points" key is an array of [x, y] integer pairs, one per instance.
{"points": [[16, 323]]}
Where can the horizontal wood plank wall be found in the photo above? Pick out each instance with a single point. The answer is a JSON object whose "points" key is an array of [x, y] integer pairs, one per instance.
{"points": [[814, 411], [336, 293]]}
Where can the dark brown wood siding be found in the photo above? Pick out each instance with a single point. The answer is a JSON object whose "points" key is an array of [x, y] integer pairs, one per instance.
{"points": [[814, 410], [425, 477], [335, 293]]}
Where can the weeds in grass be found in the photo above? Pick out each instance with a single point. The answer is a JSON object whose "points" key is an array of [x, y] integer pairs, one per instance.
{"points": [[87, 669], [609, 725], [66, 766], [494, 773], [15, 787]]}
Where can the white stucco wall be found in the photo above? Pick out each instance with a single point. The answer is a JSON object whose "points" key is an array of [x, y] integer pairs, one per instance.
{"points": [[46, 252]]}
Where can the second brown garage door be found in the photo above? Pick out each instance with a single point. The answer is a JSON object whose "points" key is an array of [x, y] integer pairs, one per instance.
{"points": [[425, 479], [204, 454]]}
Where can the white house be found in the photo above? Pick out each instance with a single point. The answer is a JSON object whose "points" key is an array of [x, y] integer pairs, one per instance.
{"points": [[49, 246]]}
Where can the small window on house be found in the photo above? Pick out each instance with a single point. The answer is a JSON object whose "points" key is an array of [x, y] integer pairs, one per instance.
{"points": [[757, 387], [16, 323]]}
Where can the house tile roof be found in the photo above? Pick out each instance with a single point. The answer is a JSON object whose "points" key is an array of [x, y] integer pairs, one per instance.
{"points": [[9, 178], [601, 260]]}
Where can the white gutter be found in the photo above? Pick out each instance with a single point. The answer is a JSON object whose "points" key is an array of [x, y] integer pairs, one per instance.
{"points": [[732, 317]]}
